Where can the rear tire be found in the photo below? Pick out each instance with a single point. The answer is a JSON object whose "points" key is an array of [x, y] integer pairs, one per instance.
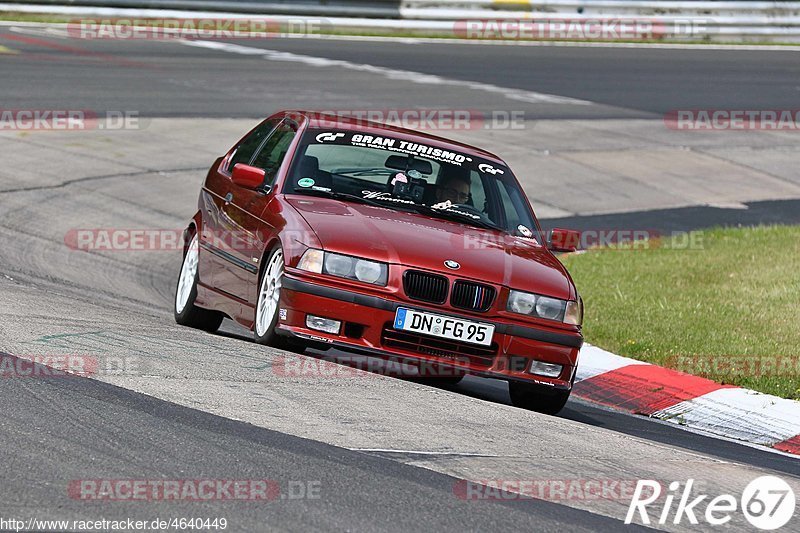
{"points": [[186, 313], [537, 398]]}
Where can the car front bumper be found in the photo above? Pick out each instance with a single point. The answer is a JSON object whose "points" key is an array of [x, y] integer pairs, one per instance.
{"points": [[367, 328]]}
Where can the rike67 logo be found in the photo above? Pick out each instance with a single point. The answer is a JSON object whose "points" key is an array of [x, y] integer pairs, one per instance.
{"points": [[768, 503]]}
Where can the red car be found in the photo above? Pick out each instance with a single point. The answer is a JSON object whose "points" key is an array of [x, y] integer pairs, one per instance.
{"points": [[323, 231]]}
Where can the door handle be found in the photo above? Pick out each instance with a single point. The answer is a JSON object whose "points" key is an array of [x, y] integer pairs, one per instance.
{"points": [[229, 198]]}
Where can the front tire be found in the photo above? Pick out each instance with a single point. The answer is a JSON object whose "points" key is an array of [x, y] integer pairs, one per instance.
{"points": [[537, 398], [268, 304], [186, 313]]}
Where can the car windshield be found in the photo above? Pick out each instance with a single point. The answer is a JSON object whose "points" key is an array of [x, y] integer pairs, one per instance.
{"points": [[410, 176]]}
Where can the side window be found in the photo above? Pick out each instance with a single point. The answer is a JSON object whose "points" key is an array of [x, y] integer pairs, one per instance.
{"points": [[514, 207], [274, 150], [244, 152]]}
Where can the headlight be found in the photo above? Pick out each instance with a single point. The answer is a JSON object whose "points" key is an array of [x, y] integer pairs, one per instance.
{"points": [[574, 314], [551, 308], [344, 266], [312, 261], [368, 271], [338, 265], [526, 303], [521, 302]]}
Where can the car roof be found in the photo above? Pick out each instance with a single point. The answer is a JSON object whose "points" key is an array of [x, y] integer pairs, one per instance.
{"points": [[317, 119]]}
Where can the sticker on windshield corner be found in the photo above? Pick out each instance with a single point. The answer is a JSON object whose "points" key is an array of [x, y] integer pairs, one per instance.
{"points": [[524, 231], [283, 314], [328, 137], [305, 182], [489, 169], [449, 206]]}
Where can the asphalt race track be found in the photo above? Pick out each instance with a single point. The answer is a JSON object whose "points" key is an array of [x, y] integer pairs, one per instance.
{"points": [[383, 454], [625, 82]]}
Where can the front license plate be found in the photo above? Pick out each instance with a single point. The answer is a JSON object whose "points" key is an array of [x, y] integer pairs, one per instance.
{"points": [[444, 326]]}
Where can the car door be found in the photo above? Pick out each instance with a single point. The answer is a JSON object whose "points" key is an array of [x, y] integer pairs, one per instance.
{"points": [[241, 217], [217, 188]]}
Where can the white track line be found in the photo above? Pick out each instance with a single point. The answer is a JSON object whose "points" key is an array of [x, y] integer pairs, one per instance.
{"points": [[360, 23], [740, 414], [422, 452], [595, 361], [389, 73], [735, 414], [688, 429]]}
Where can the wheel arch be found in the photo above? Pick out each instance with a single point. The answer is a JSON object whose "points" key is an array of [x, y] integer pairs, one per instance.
{"points": [[268, 247], [190, 230]]}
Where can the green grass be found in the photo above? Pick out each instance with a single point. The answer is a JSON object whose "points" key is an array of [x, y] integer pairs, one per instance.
{"points": [[729, 309], [14, 16]]}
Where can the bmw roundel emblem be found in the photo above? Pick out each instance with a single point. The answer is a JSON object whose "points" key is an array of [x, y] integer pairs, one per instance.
{"points": [[452, 265]]}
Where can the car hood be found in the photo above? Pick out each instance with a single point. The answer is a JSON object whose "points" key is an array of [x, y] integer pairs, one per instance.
{"points": [[417, 240]]}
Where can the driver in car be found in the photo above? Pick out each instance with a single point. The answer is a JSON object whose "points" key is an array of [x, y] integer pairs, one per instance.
{"points": [[454, 188]]}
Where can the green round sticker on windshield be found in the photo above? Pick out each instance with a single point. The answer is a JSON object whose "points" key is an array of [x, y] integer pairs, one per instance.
{"points": [[305, 182]]}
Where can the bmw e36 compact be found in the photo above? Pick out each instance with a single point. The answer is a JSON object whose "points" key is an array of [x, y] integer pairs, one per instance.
{"points": [[333, 232]]}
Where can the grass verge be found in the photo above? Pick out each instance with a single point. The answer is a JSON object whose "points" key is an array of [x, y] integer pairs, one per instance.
{"points": [[727, 309]]}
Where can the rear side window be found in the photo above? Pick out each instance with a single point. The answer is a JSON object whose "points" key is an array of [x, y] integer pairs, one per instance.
{"points": [[244, 152]]}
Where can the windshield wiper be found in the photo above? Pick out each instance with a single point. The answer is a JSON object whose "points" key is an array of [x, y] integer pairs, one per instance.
{"points": [[338, 196], [419, 208], [454, 215], [355, 172]]}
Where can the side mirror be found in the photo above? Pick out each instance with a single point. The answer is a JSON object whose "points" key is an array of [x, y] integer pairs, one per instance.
{"points": [[563, 240], [247, 176]]}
